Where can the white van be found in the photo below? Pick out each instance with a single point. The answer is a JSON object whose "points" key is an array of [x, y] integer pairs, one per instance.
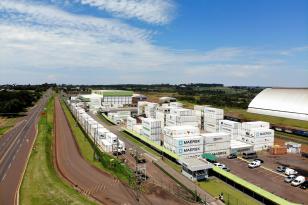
{"points": [[298, 181], [290, 171]]}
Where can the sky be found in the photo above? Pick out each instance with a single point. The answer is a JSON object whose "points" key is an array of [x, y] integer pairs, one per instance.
{"points": [[234, 42]]}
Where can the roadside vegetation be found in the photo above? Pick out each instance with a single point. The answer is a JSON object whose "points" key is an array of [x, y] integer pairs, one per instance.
{"points": [[106, 162], [232, 196], [41, 183], [14, 102], [6, 124]]}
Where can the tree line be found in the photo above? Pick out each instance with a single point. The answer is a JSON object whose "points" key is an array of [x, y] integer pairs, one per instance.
{"points": [[14, 102]]}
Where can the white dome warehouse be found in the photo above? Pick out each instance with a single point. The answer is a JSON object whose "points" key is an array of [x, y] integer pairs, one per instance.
{"points": [[281, 102]]}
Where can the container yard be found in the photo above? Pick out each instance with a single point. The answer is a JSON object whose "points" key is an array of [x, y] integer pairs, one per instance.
{"points": [[106, 141], [184, 134]]}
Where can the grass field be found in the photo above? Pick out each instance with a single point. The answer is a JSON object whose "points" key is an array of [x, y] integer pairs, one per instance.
{"points": [[232, 196], [6, 124], [274, 120], [117, 169], [41, 184]]}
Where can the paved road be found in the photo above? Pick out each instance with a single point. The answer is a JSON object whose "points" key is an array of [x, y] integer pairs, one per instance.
{"points": [[189, 184], [88, 179], [15, 147], [270, 181]]}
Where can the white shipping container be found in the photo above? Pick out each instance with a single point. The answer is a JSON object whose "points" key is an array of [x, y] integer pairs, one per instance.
{"points": [[184, 141], [213, 111], [186, 150], [210, 138], [181, 131], [111, 138], [181, 112], [259, 133], [255, 124]]}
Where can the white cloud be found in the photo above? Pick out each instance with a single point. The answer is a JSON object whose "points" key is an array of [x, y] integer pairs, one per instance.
{"points": [[151, 11], [45, 43]]}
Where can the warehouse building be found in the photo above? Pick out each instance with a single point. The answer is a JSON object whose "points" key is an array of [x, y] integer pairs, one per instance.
{"points": [[116, 98], [281, 102]]}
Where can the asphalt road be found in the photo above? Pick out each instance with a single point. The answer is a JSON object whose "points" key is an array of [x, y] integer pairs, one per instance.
{"points": [[15, 147], [268, 180]]}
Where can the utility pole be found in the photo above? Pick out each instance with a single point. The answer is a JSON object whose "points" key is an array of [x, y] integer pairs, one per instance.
{"points": [[140, 175]]}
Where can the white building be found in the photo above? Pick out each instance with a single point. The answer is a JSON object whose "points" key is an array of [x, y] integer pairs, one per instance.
{"points": [[116, 98], [281, 102], [211, 119], [217, 144]]}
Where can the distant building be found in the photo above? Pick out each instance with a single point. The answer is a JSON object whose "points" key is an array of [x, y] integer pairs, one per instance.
{"points": [[115, 97], [281, 102], [136, 98], [166, 100]]}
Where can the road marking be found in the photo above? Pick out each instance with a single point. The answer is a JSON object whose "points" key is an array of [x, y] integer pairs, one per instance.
{"points": [[265, 168], [17, 137]]}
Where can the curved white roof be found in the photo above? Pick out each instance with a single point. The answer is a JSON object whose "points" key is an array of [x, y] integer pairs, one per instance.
{"points": [[281, 102]]}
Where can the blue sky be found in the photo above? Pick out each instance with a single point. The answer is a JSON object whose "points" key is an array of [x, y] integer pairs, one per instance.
{"points": [[235, 42]]}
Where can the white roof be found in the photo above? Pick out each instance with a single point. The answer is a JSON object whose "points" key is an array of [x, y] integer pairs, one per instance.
{"points": [[195, 164], [281, 102]]}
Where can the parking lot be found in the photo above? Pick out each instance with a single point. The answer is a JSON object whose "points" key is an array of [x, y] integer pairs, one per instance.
{"points": [[268, 180]]}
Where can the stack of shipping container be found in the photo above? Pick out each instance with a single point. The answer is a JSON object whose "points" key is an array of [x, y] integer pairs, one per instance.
{"points": [[150, 110], [151, 128], [231, 127], [105, 140], [258, 134], [180, 117], [217, 143], [184, 141], [211, 119]]}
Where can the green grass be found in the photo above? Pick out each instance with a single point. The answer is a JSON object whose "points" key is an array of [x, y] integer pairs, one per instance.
{"points": [[6, 125], [41, 183], [291, 137], [116, 168], [172, 164], [274, 120], [231, 195]]}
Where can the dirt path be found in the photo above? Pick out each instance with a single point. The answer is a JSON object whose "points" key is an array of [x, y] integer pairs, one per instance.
{"points": [[92, 181]]}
